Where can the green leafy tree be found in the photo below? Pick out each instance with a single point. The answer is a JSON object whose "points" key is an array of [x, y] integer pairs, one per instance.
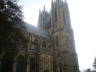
{"points": [[11, 32], [11, 26]]}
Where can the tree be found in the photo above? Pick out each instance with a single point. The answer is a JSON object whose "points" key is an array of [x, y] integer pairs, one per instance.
{"points": [[11, 26], [94, 64], [11, 33]]}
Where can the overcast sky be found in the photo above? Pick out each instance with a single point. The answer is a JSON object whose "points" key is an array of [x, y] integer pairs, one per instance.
{"points": [[83, 20]]}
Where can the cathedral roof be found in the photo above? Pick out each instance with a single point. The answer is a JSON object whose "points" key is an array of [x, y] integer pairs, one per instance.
{"points": [[36, 31]]}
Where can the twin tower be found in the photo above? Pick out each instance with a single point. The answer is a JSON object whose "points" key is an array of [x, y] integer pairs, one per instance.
{"points": [[57, 24]]}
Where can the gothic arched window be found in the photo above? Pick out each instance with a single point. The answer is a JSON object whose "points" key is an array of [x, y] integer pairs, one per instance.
{"points": [[20, 64], [55, 15], [35, 48], [44, 44], [56, 40]]}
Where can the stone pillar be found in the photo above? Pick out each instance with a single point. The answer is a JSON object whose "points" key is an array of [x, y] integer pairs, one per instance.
{"points": [[28, 65], [14, 66], [28, 68]]}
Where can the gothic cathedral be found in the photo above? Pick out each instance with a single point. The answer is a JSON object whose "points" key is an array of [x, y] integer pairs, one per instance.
{"points": [[49, 47]]}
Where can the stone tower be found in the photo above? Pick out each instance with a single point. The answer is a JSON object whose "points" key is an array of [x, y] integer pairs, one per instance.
{"points": [[58, 25], [44, 21], [62, 34]]}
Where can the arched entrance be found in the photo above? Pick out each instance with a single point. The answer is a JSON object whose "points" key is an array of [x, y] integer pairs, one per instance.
{"points": [[20, 64], [46, 71], [6, 63], [33, 64], [60, 68]]}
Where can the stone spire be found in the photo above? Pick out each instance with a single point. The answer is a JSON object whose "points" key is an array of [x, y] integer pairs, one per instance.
{"points": [[65, 1], [58, 0], [52, 1], [44, 8]]}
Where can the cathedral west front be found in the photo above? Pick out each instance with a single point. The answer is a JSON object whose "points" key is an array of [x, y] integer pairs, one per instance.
{"points": [[50, 47]]}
